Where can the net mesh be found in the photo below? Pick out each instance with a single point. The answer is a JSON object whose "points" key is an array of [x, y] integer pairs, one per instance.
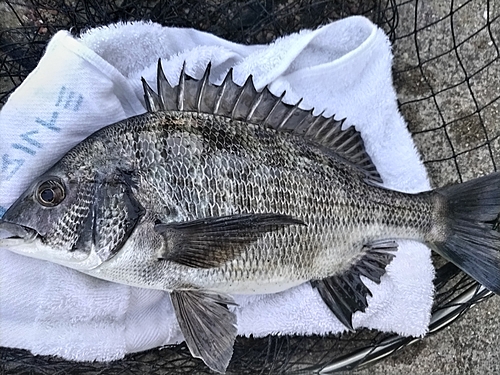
{"points": [[447, 75]]}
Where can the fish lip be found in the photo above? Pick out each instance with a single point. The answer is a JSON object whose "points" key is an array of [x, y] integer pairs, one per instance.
{"points": [[13, 231]]}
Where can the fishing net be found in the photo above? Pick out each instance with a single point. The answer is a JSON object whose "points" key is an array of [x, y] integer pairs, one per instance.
{"points": [[447, 75]]}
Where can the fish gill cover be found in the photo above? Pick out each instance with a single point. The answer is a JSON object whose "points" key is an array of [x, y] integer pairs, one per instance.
{"points": [[446, 72]]}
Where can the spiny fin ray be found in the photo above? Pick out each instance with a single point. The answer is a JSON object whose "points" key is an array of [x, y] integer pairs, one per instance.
{"points": [[346, 293], [245, 103]]}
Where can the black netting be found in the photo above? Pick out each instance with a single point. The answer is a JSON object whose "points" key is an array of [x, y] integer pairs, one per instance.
{"points": [[447, 75]]}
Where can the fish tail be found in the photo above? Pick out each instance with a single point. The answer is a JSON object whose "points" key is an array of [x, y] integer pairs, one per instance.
{"points": [[466, 230]]}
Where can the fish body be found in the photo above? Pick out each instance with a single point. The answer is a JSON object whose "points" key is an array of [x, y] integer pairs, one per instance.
{"points": [[186, 167], [228, 190]]}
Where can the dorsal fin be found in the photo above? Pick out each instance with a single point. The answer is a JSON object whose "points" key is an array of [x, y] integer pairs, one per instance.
{"points": [[245, 103]]}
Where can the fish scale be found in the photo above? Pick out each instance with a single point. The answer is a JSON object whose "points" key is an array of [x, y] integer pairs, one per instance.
{"points": [[313, 184], [327, 212], [222, 189]]}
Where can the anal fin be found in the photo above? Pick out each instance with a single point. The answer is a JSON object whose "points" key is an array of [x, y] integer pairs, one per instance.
{"points": [[346, 293], [209, 328]]}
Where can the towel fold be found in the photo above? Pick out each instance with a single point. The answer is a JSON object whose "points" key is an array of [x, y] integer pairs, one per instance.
{"points": [[82, 84]]}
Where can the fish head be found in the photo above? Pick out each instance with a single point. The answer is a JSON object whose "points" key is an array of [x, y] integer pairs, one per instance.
{"points": [[40, 225], [78, 222]]}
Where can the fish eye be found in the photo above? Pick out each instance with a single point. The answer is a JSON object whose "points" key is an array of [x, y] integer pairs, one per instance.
{"points": [[50, 193]]}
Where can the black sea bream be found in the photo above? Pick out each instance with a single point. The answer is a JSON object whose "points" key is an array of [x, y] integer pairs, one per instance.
{"points": [[222, 189]]}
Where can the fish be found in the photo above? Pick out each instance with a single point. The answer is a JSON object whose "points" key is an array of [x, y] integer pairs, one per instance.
{"points": [[224, 189]]}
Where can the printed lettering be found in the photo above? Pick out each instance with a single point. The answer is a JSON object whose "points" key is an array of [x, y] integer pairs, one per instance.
{"points": [[68, 99], [78, 103], [71, 99], [32, 140], [10, 166], [61, 95], [28, 150], [50, 125], [27, 137]]}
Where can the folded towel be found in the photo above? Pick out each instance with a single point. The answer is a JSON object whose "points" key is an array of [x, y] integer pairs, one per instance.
{"points": [[85, 83]]}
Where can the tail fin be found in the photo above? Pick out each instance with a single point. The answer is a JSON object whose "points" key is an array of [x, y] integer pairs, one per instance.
{"points": [[471, 236]]}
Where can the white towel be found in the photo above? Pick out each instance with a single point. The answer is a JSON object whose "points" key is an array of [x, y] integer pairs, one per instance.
{"points": [[85, 83]]}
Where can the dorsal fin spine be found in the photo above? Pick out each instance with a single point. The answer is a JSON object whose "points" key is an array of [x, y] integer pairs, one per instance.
{"points": [[361, 156], [248, 83], [255, 105], [161, 81], [204, 82], [314, 124], [150, 97], [278, 102], [222, 89], [352, 148], [304, 121], [261, 108], [290, 114], [181, 90], [345, 144], [335, 127], [332, 125]]}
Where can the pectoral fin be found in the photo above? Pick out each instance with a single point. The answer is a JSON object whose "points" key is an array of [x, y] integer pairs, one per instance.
{"points": [[212, 241], [209, 328], [346, 293]]}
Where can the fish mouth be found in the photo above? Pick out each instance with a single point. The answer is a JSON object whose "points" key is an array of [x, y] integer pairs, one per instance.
{"points": [[12, 233]]}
